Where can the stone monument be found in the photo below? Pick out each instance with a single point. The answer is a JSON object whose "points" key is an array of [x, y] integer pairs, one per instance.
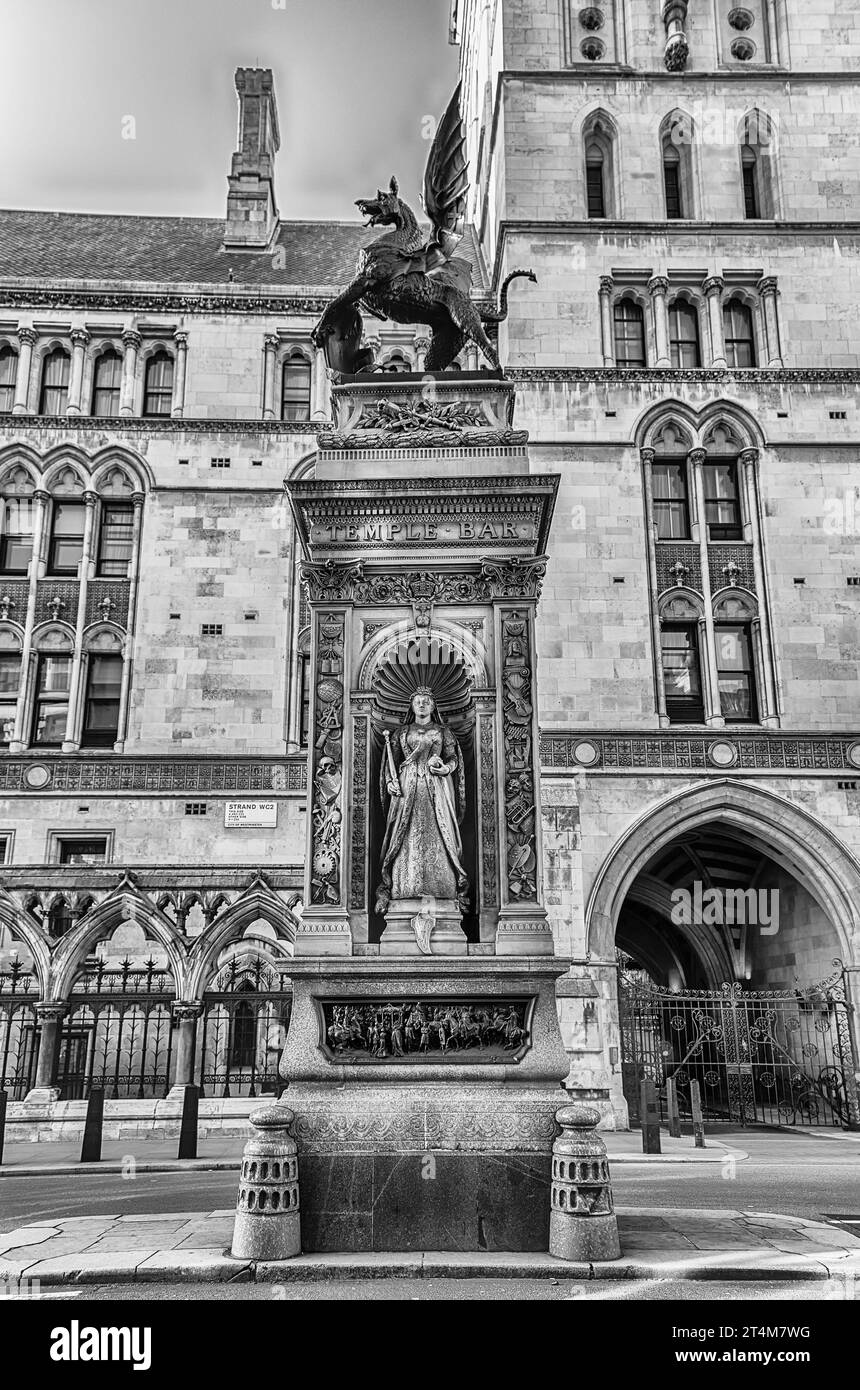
{"points": [[424, 1059]]}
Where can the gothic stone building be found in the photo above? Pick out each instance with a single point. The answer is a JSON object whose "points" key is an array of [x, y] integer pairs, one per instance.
{"points": [[683, 180]]}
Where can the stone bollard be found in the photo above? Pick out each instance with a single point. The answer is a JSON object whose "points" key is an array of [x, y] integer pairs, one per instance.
{"points": [[582, 1223], [267, 1225]]}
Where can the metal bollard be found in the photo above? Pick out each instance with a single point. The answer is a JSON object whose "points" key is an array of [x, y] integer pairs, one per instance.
{"points": [[91, 1147], [649, 1111], [267, 1225], [672, 1111], [582, 1223], [188, 1126], [696, 1107]]}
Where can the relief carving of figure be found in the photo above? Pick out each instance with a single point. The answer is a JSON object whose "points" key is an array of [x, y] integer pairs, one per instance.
{"points": [[423, 789]]}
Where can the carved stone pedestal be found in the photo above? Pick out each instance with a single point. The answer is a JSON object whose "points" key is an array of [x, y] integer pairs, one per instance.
{"points": [[443, 936], [425, 1097]]}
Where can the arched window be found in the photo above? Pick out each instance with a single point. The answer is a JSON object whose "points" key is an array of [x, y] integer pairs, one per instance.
{"points": [[676, 145], [54, 395], [397, 363], [758, 167], [682, 679], [684, 346], [629, 333], [738, 333], [296, 388], [8, 375], [106, 383], [599, 149], [158, 384]]}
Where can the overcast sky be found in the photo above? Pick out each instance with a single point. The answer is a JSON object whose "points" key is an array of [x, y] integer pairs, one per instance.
{"points": [[353, 80]]}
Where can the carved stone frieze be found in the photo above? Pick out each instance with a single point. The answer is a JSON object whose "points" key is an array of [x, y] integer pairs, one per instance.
{"points": [[327, 780], [425, 1029], [517, 732]]}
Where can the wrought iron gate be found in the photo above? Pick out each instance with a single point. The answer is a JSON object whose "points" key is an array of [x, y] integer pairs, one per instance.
{"points": [[19, 1030], [118, 1033], [773, 1057], [241, 1035]]}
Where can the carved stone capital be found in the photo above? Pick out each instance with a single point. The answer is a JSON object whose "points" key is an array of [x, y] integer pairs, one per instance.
{"points": [[658, 284], [697, 456], [607, 284], [27, 335], [714, 285], [51, 1010], [79, 337], [271, 342], [131, 338], [648, 455], [749, 457], [768, 286], [184, 1010], [180, 338], [516, 577], [330, 582]]}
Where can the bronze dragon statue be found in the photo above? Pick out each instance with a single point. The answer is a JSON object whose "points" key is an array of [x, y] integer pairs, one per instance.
{"points": [[403, 277]]}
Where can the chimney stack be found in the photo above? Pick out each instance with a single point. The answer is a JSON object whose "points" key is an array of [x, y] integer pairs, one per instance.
{"points": [[252, 213]]}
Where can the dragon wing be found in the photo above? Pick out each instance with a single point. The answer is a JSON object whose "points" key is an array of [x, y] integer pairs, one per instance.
{"points": [[446, 183]]}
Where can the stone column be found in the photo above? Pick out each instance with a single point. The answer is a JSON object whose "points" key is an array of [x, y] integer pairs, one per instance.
{"points": [[607, 335], [131, 343], [270, 346], [713, 713], [27, 339], [42, 500], [325, 925], [181, 341], [422, 347], [45, 1089], [677, 49], [767, 288], [523, 927], [320, 409], [80, 337], [647, 456], [713, 288], [768, 693], [71, 743], [128, 662], [186, 1015], [658, 287]]}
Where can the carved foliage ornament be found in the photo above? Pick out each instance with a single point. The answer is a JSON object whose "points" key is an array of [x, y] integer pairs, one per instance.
{"points": [[327, 754], [517, 730], [513, 578]]}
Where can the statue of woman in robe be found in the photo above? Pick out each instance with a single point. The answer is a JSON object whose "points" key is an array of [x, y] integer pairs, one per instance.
{"points": [[422, 853]]}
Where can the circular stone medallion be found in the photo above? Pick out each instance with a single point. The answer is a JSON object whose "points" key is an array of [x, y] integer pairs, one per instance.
{"points": [[37, 776], [586, 753], [723, 754]]}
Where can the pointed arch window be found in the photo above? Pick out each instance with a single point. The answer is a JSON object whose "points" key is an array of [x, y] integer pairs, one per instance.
{"points": [[296, 388], [684, 345], [158, 385], [672, 182], [758, 167], [243, 1032], [629, 323], [54, 395], [738, 334], [599, 150], [8, 377], [676, 144], [106, 384]]}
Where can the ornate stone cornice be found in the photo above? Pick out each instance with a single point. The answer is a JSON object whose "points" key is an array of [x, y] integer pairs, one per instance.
{"points": [[164, 301], [118, 773], [125, 424], [749, 376], [711, 750]]}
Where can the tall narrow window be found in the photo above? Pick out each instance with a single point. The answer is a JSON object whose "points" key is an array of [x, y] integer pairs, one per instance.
{"points": [[101, 706], [595, 177], [8, 375], [106, 384], [66, 547], [51, 707], [684, 335], [672, 182], [305, 697], [10, 675], [243, 1042], [115, 540], [16, 542], [158, 385], [681, 676], [735, 673], [296, 388], [671, 508], [54, 396], [629, 333], [722, 503], [738, 333], [749, 168]]}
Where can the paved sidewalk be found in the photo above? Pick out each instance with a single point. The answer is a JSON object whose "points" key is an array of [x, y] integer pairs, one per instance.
{"points": [[189, 1247], [214, 1154]]}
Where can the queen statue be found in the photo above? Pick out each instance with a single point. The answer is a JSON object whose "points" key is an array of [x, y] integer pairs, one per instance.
{"points": [[423, 788]]}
